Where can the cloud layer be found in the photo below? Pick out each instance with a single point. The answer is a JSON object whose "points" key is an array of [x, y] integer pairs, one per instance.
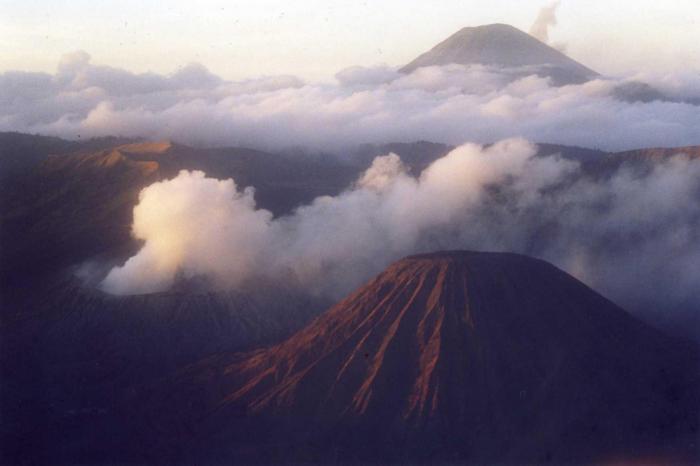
{"points": [[448, 104], [634, 235]]}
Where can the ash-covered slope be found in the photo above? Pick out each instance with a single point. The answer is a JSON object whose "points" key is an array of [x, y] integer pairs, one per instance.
{"points": [[503, 46], [448, 356], [68, 352]]}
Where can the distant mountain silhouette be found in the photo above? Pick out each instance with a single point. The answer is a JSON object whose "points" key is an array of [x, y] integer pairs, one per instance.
{"points": [[20, 152], [451, 356], [503, 46], [519, 54]]}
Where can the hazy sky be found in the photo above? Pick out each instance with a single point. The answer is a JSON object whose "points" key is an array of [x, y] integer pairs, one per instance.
{"points": [[316, 38]]}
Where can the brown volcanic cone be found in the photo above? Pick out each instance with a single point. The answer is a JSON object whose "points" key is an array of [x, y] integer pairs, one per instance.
{"points": [[451, 356]]}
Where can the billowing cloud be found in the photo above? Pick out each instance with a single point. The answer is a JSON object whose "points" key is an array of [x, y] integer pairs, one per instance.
{"points": [[367, 76], [633, 234], [192, 223], [447, 104], [200, 226], [680, 86]]}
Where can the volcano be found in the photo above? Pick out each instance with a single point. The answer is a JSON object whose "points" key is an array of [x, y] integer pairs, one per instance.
{"points": [[450, 356], [503, 46]]}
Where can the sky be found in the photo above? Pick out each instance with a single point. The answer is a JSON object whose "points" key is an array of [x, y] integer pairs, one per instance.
{"points": [[314, 39]]}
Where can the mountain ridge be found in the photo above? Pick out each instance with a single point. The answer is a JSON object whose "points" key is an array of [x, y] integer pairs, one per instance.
{"points": [[504, 46]]}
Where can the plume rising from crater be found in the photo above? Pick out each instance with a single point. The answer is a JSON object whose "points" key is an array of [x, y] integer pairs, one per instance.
{"points": [[635, 225]]}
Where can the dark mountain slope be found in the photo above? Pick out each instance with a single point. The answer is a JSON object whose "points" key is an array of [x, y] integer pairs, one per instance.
{"points": [[69, 351], [73, 207], [658, 153], [20, 152], [448, 356], [414, 155], [640, 160]]}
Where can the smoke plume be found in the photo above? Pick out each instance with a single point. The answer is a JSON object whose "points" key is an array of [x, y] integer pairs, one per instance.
{"points": [[547, 18], [634, 235]]}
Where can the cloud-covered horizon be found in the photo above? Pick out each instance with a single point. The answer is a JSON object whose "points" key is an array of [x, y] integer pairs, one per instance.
{"points": [[448, 104], [632, 235]]}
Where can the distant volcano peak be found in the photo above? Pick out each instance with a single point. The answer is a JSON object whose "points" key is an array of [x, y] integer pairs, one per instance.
{"points": [[490, 28], [505, 46]]}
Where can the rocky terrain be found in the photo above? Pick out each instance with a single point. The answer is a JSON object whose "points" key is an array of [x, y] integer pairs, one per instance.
{"points": [[71, 351]]}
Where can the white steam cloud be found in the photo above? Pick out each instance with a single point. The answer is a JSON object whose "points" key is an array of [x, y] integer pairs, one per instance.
{"points": [[201, 226], [634, 235], [547, 18], [447, 104]]}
